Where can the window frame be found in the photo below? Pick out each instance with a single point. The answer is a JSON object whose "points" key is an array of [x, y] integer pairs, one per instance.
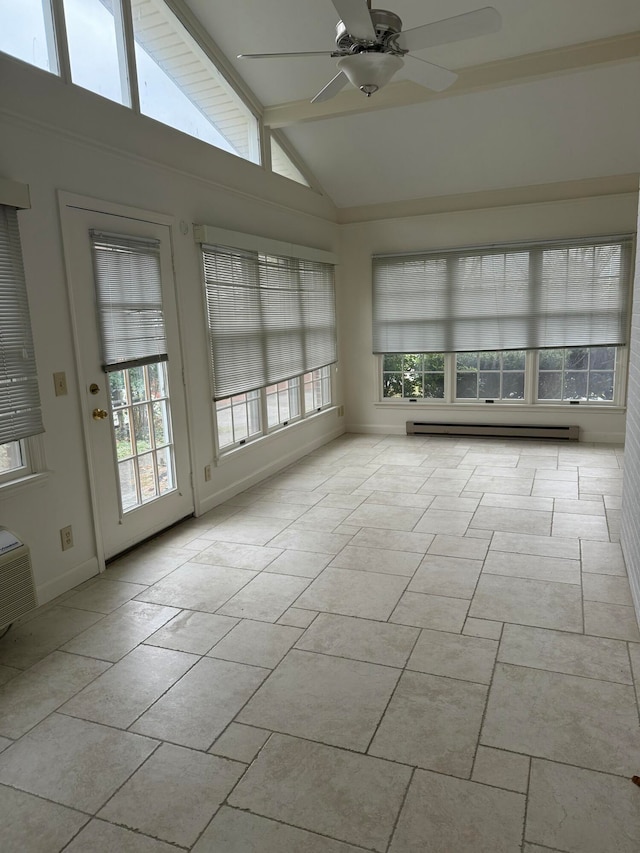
{"points": [[530, 387], [266, 430]]}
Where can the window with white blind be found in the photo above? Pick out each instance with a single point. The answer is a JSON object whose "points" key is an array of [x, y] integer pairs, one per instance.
{"points": [[550, 295], [272, 333], [20, 412]]}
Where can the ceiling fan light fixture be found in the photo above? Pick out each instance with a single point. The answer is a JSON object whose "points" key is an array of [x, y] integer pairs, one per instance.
{"points": [[370, 71]]}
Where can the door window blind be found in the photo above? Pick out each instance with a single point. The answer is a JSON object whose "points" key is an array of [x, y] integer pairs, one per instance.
{"points": [[565, 294], [20, 413], [128, 300], [270, 318]]}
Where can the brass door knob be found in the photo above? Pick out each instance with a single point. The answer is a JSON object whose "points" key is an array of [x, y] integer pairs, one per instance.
{"points": [[100, 414]]}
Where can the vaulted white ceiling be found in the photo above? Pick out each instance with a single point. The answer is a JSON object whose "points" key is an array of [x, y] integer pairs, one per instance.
{"points": [[528, 108]]}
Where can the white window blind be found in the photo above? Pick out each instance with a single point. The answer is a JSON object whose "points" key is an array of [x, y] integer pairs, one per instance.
{"points": [[270, 318], [20, 414], [561, 294], [129, 300]]}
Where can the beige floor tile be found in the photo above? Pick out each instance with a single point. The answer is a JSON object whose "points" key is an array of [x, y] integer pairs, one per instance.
{"points": [[147, 564], [321, 518], [102, 837], [572, 654], [466, 658], [555, 489], [406, 499], [455, 504], [303, 564], [483, 628], [386, 517], [537, 568], [396, 540], [121, 631], [501, 485], [458, 546], [528, 602], [5, 743], [444, 521], [569, 525], [576, 507], [431, 611], [456, 815], [603, 558], [256, 643], [432, 722], [249, 530], [233, 831], [7, 673], [32, 825], [611, 620], [349, 797], [379, 560], [33, 695], [297, 618], [581, 811], [152, 803], [409, 482], [328, 699], [366, 594], [538, 504], [275, 509], [359, 639], [439, 484], [198, 587], [512, 520], [29, 642], [342, 501], [311, 540], [253, 557], [104, 596], [240, 743], [192, 631], [534, 848], [213, 692], [600, 486], [454, 577], [502, 769], [565, 718], [58, 759], [265, 597], [542, 546], [606, 588], [129, 687]]}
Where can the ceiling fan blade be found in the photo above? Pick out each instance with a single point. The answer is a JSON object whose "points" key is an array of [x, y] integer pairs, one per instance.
{"points": [[427, 74], [284, 55], [471, 24], [356, 17], [332, 88]]}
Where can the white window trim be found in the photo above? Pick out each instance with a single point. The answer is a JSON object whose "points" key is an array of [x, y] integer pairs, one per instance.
{"points": [[530, 401]]}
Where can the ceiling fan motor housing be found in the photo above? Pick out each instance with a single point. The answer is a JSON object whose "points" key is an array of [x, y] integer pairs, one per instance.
{"points": [[386, 24]]}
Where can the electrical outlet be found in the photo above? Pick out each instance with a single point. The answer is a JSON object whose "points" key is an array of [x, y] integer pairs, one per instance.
{"points": [[207, 473], [60, 383], [340, 411], [66, 537]]}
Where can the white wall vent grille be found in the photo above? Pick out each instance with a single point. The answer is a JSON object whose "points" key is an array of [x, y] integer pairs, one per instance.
{"points": [[17, 590]]}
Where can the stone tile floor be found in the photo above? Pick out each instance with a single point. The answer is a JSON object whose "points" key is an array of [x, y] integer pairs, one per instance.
{"points": [[398, 644]]}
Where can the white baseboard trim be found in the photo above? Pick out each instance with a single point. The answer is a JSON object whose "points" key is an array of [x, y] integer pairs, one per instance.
{"points": [[63, 583], [265, 471]]}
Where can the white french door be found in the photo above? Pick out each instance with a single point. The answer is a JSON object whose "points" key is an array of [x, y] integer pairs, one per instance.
{"points": [[134, 410]]}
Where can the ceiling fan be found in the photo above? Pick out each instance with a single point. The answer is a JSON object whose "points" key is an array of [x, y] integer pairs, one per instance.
{"points": [[371, 47]]}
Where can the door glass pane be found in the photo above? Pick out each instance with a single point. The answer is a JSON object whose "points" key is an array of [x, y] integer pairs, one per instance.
{"points": [[96, 47], [26, 32], [146, 460]]}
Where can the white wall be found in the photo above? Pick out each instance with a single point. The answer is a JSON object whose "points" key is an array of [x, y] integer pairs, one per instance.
{"points": [[56, 137], [630, 516], [552, 220]]}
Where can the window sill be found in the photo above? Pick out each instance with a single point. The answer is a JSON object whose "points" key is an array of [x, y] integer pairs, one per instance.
{"points": [[434, 405], [13, 487]]}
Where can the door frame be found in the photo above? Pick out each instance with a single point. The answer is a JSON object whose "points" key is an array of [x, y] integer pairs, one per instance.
{"points": [[68, 201]]}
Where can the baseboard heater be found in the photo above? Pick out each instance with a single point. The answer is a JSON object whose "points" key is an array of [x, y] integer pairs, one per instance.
{"points": [[557, 433]]}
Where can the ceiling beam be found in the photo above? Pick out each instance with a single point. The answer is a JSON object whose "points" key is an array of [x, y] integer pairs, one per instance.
{"points": [[474, 78]]}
